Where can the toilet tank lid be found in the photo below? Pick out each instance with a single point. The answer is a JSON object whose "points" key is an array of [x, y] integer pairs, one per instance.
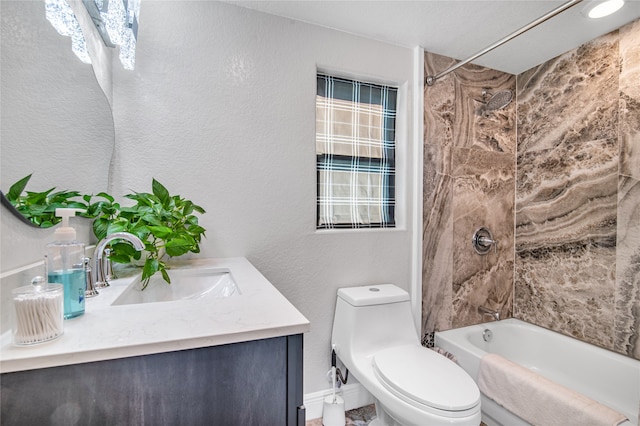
{"points": [[373, 295]]}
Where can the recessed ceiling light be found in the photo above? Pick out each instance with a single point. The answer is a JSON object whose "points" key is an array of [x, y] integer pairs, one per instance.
{"points": [[601, 8]]}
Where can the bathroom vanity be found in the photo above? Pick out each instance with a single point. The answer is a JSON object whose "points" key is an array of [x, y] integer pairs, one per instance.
{"points": [[216, 361]]}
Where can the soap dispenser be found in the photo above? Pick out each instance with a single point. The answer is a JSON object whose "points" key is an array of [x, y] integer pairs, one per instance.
{"points": [[65, 264]]}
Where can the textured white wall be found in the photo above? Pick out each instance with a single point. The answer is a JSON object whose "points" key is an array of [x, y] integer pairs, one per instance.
{"points": [[221, 110]]}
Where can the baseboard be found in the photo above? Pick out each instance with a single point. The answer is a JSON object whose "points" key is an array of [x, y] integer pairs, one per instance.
{"points": [[355, 395]]}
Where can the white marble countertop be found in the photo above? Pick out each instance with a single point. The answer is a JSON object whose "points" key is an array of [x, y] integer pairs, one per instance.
{"points": [[109, 332]]}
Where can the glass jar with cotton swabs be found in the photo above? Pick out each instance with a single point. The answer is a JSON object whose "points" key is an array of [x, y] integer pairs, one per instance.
{"points": [[38, 312]]}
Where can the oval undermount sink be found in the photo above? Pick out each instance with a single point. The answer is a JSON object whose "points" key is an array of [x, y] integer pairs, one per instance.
{"points": [[186, 284]]}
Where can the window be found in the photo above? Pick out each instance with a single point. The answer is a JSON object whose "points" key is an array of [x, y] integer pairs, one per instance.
{"points": [[355, 149]]}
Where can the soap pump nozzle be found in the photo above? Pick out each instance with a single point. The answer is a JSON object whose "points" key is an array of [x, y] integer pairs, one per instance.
{"points": [[66, 232]]}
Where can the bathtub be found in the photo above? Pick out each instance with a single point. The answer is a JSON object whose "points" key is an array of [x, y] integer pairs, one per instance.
{"points": [[604, 376]]}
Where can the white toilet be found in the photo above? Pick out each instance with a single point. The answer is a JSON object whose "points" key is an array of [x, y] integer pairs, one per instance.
{"points": [[375, 338]]}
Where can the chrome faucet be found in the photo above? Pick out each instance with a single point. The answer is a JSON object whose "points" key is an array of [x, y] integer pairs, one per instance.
{"points": [[486, 311], [98, 270]]}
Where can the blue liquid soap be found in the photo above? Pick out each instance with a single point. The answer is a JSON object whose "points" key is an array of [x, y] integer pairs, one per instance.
{"points": [[74, 285]]}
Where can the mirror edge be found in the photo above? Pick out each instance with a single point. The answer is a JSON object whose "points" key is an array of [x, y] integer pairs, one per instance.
{"points": [[12, 209]]}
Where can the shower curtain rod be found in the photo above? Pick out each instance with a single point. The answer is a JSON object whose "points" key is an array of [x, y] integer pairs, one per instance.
{"points": [[430, 80]]}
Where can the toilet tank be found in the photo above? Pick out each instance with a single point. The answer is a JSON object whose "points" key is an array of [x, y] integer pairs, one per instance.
{"points": [[371, 318]]}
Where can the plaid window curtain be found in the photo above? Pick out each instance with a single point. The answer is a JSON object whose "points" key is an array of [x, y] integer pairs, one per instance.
{"points": [[355, 149]]}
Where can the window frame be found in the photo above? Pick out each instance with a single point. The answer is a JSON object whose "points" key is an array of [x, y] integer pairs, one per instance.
{"points": [[387, 161]]}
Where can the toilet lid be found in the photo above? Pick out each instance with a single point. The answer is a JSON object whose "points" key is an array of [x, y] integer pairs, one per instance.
{"points": [[421, 375]]}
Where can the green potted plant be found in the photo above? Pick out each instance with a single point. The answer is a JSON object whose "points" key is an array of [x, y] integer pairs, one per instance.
{"points": [[166, 223]]}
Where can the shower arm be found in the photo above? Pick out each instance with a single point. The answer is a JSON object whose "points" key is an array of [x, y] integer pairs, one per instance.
{"points": [[430, 80]]}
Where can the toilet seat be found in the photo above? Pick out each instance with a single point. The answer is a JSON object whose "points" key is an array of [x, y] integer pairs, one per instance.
{"points": [[426, 379]]}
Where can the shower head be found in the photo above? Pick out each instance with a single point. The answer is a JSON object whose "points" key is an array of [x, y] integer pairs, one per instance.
{"points": [[496, 101]]}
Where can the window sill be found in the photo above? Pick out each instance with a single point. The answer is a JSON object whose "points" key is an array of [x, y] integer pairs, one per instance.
{"points": [[359, 230]]}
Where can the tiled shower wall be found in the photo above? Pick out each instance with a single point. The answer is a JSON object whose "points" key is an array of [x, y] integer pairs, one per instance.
{"points": [[578, 193], [573, 264], [469, 173]]}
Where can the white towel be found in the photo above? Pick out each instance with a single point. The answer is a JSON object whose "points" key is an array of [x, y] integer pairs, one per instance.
{"points": [[537, 399]]}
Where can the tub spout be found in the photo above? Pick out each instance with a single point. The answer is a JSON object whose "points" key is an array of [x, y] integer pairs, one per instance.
{"points": [[98, 270], [486, 311]]}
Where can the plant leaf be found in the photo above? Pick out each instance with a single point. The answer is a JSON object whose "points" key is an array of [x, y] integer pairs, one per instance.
{"points": [[124, 248], [38, 197], [118, 226], [120, 258], [196, 230], [161, 192], [17, 188], [187, 207], [161, 232], [178, 246], [141, 198], [199, 209], [165, 275], [150, 268], [105, 196], [153, 220], [100, 227]]}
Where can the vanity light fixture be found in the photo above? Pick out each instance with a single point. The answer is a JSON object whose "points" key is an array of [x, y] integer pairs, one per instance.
{"points": [[117, 23], [62, 18], [601, 8]]}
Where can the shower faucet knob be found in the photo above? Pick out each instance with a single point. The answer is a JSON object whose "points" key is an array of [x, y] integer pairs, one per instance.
{"points": [[483, 241]]}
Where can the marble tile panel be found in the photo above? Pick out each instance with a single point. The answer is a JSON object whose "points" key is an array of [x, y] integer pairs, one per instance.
{"points": [[630, 59], [490, 286], [568, 288], [571, 98], [630, 100], [567, 194], [439, 102], [627, 291], [483, 195], [630, 136], [454, 107], [475, 127], [566, 203], [496, 130], [436, 240]]}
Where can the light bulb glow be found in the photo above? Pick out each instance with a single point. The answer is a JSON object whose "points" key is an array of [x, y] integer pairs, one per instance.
{"points": [[120, 18], [606, 8], [62, 18]]}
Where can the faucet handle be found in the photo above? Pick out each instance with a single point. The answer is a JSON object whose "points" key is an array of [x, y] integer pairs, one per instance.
{"points": [[482, 241], [107, 266], [90, 291], [101, 279]]}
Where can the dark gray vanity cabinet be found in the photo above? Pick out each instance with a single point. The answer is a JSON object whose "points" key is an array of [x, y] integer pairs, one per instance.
{"points": [[245, 384]]}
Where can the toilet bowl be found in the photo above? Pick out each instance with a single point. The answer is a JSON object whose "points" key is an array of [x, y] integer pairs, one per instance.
{"points": [[375, 338]]}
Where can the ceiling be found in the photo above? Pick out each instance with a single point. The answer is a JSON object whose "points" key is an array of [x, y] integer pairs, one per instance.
{"points": [[459, 28]]}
